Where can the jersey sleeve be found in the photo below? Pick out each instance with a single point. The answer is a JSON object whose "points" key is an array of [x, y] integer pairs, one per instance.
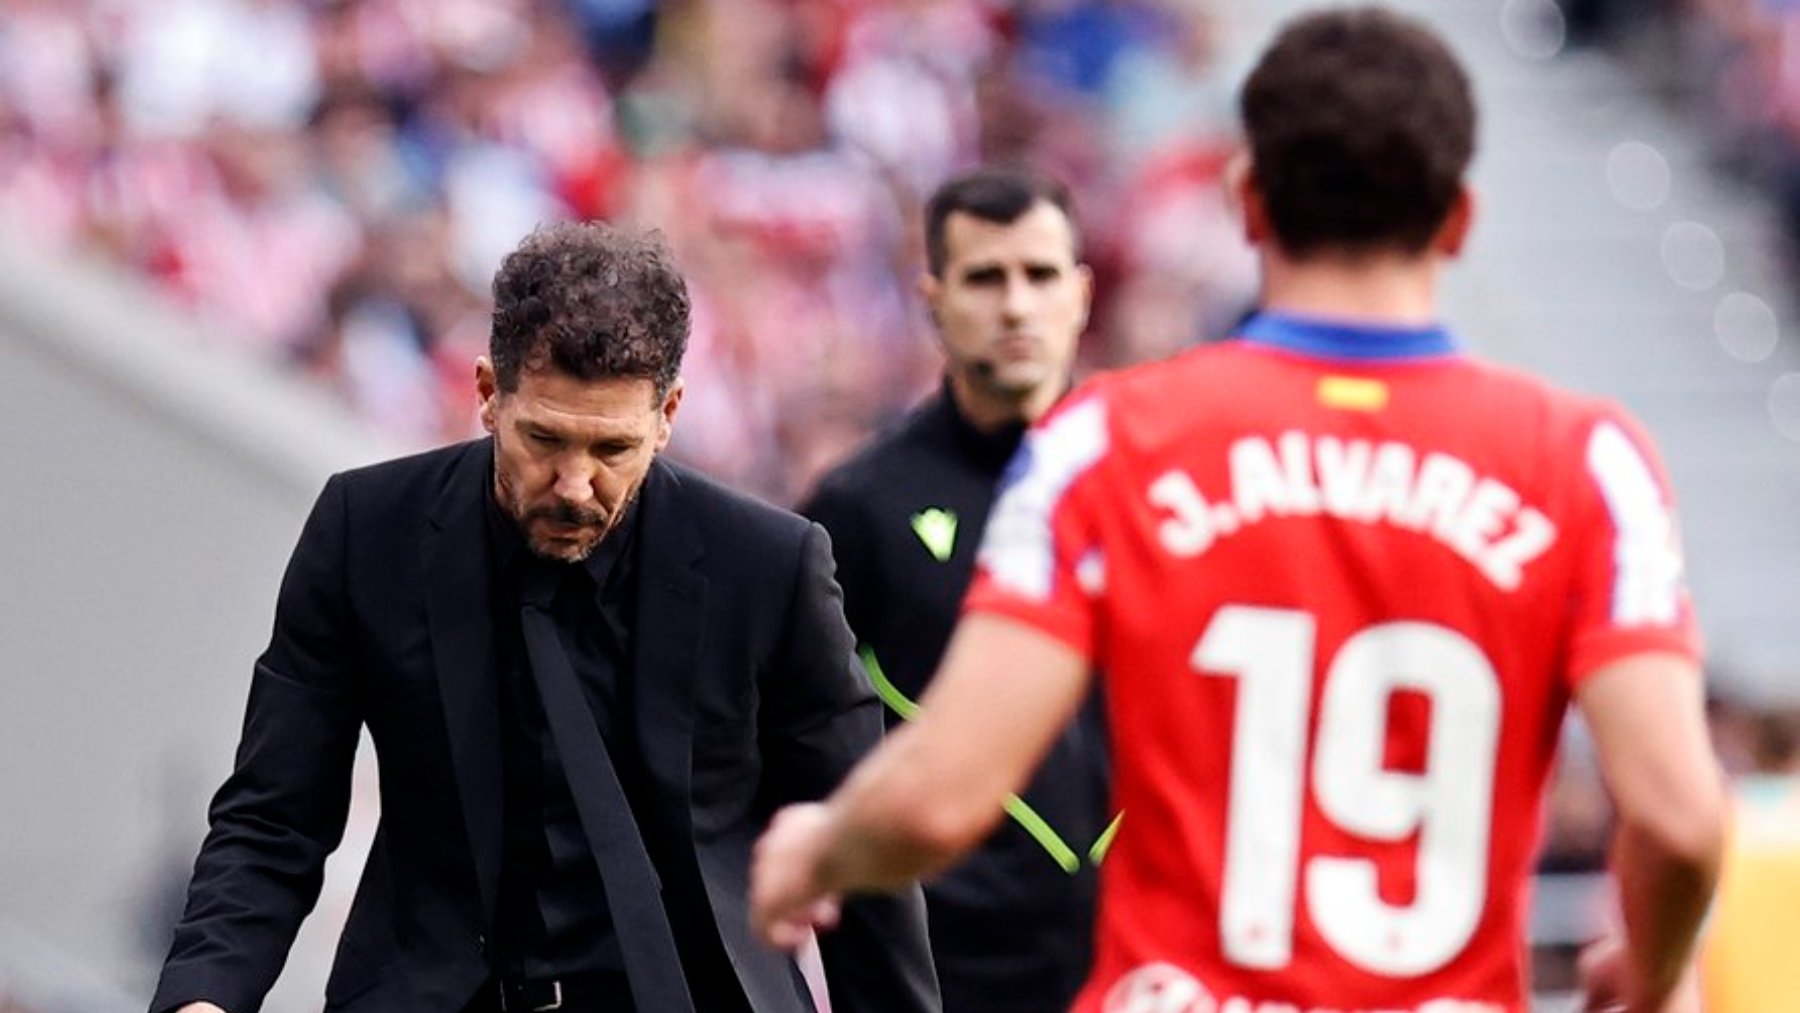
{"points": [[1632, 594], [1040, 560]]}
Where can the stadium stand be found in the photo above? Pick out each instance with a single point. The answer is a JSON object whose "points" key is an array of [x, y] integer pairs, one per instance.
{"points": [[333, 181]]}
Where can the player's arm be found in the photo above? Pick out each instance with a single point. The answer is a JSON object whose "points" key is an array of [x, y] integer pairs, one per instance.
{"points": [[935, 787], [1647, 716]]}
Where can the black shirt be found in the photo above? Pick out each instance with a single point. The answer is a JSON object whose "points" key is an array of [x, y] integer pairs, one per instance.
{"points": [[552, 918], [1010, 928]]}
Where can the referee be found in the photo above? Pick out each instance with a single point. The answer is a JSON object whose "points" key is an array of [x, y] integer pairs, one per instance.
{"points": [[1011, 927]]}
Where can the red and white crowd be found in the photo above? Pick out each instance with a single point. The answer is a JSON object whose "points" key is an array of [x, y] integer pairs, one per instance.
{"points": [[332, 182]]}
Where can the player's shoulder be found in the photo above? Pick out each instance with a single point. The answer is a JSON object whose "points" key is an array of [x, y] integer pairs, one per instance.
{"points": [[1523, 384], [1200, 367], [1524, 401], [1147, 402], [1109, 419], [1127, 386]]}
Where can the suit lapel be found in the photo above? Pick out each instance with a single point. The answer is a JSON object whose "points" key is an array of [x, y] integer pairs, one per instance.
{"points": [[462, 645], [671, 623], [671, 627]]}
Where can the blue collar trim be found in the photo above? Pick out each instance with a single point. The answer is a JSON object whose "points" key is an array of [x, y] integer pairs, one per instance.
{"points": [[1340, 340]]}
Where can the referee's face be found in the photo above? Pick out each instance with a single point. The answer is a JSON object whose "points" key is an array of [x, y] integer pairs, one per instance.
{"points": [[1010, 305]]}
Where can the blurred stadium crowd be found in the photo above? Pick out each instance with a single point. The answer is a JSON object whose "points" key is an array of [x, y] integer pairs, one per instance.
{"points": [[333, 182]]}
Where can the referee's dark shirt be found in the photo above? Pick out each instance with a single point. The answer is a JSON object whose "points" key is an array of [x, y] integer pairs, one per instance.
{"points": [[1011, 931]]}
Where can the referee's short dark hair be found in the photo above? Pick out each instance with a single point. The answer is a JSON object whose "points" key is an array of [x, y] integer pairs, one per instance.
{"points": [[1000, 196], [1361, 123]]}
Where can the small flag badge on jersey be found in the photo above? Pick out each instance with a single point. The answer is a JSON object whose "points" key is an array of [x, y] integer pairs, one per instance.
{"points": [[1353, 393], [936, 527]]}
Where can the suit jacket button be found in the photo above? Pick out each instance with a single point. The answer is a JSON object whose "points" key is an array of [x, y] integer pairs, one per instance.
{"points": [[481, 944]]}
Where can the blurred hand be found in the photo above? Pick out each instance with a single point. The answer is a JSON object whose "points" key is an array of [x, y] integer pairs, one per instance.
{"points": [[199, 1007], [1602, 976], [788, 900]]}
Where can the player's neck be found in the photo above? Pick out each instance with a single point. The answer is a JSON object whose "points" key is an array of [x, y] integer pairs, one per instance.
{"points": [[1377, 290]]}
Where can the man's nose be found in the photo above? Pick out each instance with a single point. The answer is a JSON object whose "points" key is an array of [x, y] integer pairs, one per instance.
{"points": [[1015, 303], [574, 483]]}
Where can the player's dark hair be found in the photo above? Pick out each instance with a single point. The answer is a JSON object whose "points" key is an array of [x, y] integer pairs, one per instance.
{"points": [[1000, 196], [1361, 124], [590, 301]]}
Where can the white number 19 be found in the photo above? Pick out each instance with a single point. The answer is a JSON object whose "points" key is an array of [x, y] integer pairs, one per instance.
{"points": [[1448, 804]]}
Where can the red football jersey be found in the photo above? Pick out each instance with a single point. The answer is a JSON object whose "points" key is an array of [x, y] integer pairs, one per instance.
{"points": [[1341, 583]]}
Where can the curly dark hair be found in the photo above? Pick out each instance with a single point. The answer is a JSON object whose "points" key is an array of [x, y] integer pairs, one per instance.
{"points": [[1361, 124], [591, 301]]}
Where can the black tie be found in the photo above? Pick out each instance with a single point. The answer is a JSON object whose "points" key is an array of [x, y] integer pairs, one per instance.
{"points": [[633, 890]]}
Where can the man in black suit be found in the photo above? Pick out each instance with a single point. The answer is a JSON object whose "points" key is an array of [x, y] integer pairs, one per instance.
{"points": [[590, 676]]}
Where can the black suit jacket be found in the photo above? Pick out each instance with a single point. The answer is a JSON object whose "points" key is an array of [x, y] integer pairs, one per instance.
{"points": [[748, 696]]}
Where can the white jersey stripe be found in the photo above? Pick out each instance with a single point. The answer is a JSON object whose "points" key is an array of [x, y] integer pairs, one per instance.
{"points": [[1646, 557], [1018, 548]]}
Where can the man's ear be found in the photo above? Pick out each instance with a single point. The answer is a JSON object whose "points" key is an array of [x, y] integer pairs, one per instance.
{"points": [[487, 387], [671, 404], [931, 289], [1085, 275], [1244, 195], [1454, 233]]}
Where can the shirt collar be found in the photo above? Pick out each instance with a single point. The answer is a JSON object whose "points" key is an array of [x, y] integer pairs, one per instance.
{"points": [[1340, 339], [606, 562], [995, 446], [504, 538]]}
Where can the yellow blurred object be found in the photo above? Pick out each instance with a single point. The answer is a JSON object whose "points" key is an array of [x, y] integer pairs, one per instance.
{"points": [[1750, 962]]}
